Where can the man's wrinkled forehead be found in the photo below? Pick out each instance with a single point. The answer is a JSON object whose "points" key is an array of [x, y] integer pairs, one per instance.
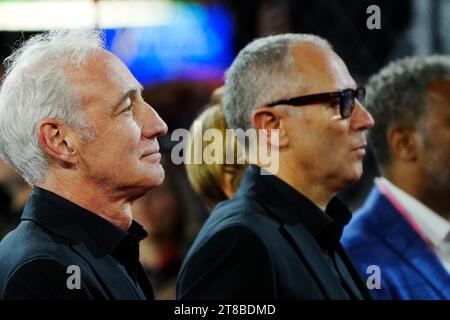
{"points": [[101, 65], [321, 67], [102, 71]]}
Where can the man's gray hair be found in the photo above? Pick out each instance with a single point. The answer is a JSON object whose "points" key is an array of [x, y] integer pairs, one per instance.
{"points": [[35, 86], [263, 72], [397, 96]]}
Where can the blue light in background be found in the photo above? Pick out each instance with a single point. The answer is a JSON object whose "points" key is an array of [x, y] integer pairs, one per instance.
{"points": [[195, 45]]}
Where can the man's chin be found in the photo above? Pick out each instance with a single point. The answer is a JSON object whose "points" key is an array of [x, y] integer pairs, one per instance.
{"points": [[356, 174], [152, 180], [352, 177], [157, 175]]}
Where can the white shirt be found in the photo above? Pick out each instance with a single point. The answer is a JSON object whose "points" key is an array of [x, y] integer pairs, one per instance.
{"points": [[433, 226]]}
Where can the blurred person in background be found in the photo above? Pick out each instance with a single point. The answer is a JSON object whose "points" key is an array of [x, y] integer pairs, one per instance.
{"points": [[14, 194], [403, 227], [74, 125], [278, 236], [214, 182]]}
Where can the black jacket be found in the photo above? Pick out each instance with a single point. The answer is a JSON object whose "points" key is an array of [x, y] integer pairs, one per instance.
{"points": [[54, 234], [270, 242]]}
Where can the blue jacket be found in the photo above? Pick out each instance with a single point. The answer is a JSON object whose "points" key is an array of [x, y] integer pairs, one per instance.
{"points": [[379, 235]]}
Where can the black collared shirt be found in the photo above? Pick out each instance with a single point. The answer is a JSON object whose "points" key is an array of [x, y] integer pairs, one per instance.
{"points": [[123, 245], [326, 228], [61, 251]]}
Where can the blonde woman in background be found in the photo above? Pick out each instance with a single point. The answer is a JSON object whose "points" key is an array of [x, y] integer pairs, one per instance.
{"points": [[212, 182], [162, 212]]}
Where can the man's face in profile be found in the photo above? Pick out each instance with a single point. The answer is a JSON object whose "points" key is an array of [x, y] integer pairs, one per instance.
{"points": [[124, 153], [326, 146], [435, 133]]}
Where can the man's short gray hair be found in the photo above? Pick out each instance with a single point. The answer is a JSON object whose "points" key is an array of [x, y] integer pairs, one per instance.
{"points": [[264, 71], [397, 95], [35, 86]]}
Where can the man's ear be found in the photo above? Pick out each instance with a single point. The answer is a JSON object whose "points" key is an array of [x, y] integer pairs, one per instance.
{"points": [[403, 143], [270, 118], [229, 175], [56, 139]]}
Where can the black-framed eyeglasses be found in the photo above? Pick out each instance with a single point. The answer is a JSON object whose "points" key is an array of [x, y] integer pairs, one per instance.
{"points": [[346, 100]]}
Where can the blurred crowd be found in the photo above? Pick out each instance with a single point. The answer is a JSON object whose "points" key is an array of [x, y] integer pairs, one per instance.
{"points": [[173, 213]]}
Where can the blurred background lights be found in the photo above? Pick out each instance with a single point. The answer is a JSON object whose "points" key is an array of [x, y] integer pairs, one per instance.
{"points": [[44, 15], [196, 43], [159, 40]]}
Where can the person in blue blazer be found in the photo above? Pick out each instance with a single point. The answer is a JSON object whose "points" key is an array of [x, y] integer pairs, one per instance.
{"points": [[400, 239]]}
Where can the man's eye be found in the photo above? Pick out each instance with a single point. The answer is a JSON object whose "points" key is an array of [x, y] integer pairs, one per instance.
{"points": [[334, 103], [129, 105]]}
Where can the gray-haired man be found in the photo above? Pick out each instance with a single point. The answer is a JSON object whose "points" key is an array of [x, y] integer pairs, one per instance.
{"points": [[278, 237], [73, 123]]}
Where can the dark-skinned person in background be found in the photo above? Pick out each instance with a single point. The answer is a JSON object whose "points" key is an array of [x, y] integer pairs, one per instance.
{"points": [[402, 233]]}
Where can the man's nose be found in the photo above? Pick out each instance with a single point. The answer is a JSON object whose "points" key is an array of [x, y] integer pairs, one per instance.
{"points": [[154, 126], [361, 119]]}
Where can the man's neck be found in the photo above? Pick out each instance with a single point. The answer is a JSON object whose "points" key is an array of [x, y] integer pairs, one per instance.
{"points": [[103, 203], [313, 190], [424, 191]]}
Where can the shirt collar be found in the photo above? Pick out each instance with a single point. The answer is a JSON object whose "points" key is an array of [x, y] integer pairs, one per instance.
{"points": [[431, 224], [105, 234], [326, 227]]}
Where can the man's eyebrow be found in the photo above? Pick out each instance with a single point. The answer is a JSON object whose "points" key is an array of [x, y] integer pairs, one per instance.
{"points": [[130, 93]]}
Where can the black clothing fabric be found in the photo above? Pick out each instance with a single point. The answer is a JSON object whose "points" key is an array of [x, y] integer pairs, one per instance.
{"points": [[270, 242], [53, 237]]}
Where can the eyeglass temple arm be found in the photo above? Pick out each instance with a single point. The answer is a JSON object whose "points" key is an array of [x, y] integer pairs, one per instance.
{"points": [[313, 98]]}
